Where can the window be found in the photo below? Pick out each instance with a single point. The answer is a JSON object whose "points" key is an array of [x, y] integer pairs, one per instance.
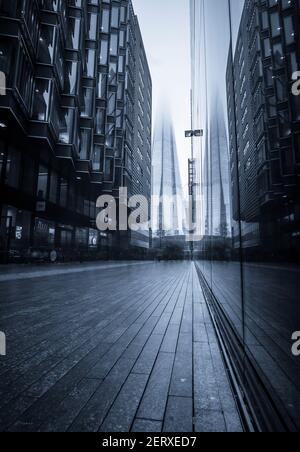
{"points": [[87, 107], [74, 33], [97, 158], [41, 102], [90, 62], [114, 44], [109, 169], [42, 184], [275, 24], [13, 167], [24, 77], [105, 21], [47, 44], [92, 26], [104, 52], [66, 125], [70, 86], [100, 121], [85, 144], [53, 187], [102, 85], [115, 14], [63, 192]]}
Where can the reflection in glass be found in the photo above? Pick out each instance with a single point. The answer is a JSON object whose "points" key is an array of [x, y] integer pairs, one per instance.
{"points": [[248, 180]]}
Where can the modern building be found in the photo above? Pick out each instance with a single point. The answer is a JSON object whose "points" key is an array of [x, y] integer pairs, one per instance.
{"points": [[167, 208], [141, 165], [265, 124], [76, 80]]}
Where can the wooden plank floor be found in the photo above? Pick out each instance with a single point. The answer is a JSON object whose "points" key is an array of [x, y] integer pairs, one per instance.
{"points": [[122, 348]]}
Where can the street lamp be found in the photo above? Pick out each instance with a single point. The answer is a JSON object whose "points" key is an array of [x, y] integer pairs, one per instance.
{"points": [[194, 133]]}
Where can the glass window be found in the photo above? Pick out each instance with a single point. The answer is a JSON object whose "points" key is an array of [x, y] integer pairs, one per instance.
{"points": [[93, 20], [114, 44], [105, 21], [88, 103], [41, 101], [71, 77], [91, 62], [47, 44], [85, 144], [13, 168], [63, 192], [104, 52], [97, 158], [53, 187], [42, 185], [275, 24], [66, 125], [74, 33]]}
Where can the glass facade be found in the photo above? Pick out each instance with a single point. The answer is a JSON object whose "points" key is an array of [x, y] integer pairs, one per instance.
{"points": [[244, 54], [77, 81]]}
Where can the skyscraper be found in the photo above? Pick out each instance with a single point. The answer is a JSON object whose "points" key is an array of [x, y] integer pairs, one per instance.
{"points": [[217, 147], [167, 215], [77, 81]]}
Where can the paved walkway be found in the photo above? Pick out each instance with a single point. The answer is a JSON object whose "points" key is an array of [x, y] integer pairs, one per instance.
{"points": [[128, 348], [14, 273]]}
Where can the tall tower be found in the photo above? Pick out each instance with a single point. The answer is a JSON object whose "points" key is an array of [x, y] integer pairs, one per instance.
{"points": [[221, 215], [167, 215]]}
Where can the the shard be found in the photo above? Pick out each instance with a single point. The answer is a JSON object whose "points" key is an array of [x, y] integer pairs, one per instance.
{"points": [[167, 208], [220, 224]]}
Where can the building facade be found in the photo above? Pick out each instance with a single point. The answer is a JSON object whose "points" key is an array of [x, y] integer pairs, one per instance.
{"points": [[67, 120], [265, 124]]}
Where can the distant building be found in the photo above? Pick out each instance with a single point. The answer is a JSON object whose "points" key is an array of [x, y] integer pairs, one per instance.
{"points": [[217, 147], [167, 217], [78, 82]]}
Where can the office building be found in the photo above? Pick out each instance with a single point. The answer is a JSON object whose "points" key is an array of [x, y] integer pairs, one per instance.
{"points": [[264, 124], [68, 121]]}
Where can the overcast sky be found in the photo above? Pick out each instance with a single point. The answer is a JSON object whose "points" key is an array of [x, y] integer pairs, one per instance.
{"points": [[166, 33]]}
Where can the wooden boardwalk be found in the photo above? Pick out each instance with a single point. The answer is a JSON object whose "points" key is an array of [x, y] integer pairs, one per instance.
{"points": [[126, 348]]}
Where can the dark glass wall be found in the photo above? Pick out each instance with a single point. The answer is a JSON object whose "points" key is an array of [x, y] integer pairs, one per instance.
{"points": [[244, 54]]}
